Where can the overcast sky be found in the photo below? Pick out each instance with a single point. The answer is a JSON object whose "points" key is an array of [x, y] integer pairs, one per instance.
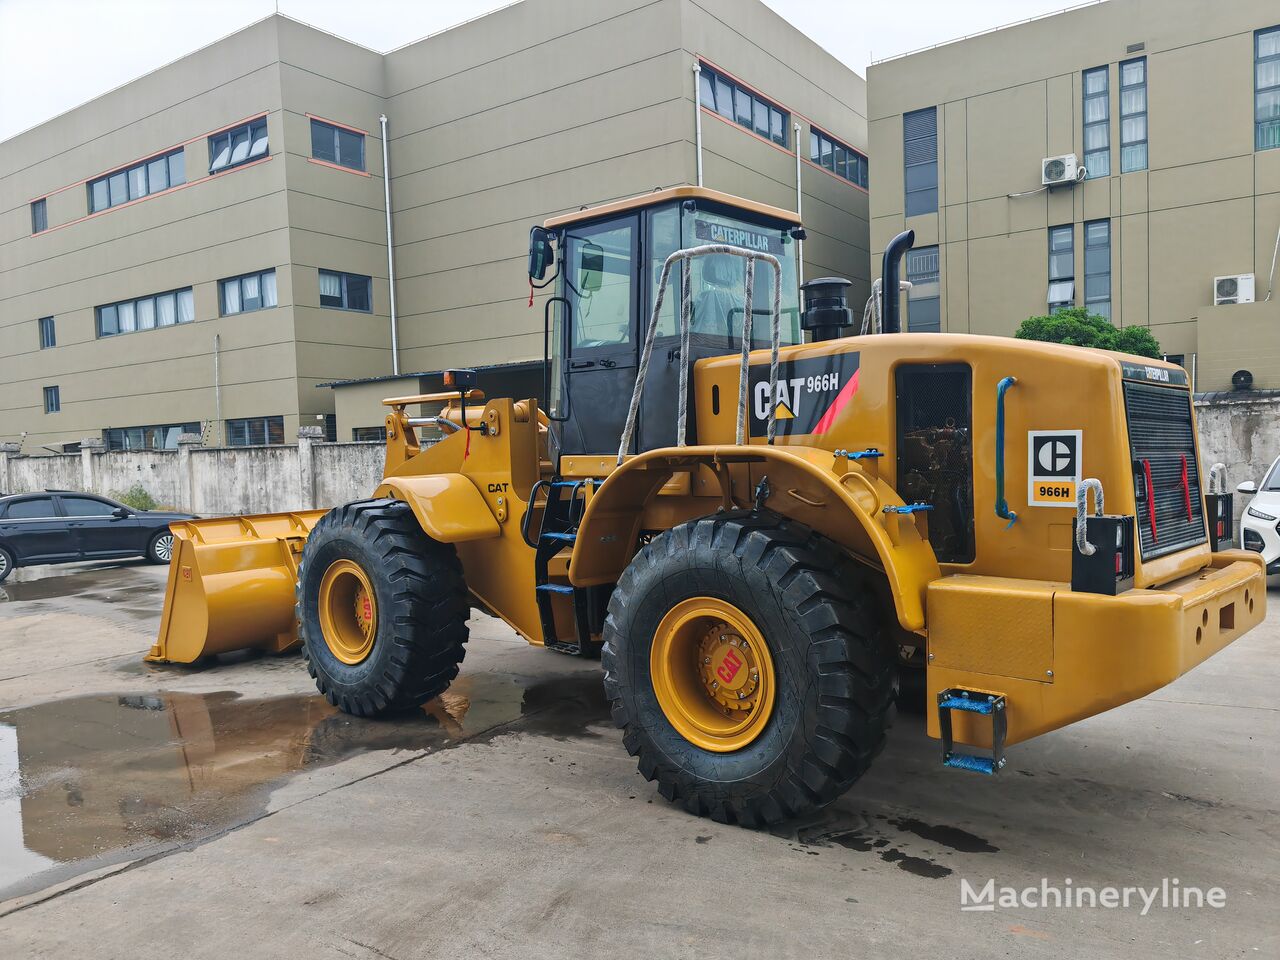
{"points": [[56, 54]]}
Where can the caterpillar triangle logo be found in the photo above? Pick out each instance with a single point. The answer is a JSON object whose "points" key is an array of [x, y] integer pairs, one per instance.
{"points": [[783, 412]]}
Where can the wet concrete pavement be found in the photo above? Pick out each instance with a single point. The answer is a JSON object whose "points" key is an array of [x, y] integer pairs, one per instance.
{"points": [[165, 810]]}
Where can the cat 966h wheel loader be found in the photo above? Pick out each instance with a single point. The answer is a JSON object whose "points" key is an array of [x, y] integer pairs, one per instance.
{"points": [[763, 538]]}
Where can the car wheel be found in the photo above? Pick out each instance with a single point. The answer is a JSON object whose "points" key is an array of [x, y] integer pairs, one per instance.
{"points": [[160, 549], [6, 564]]}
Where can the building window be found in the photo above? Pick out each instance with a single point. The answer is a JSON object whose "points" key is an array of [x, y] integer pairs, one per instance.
{"points": [[337, 145], [48, 334], [39, 216], [1097, 267], [255, 432], [1097, 123], [923, 304], [833, 155], [162, 436], [131, 183], [345, 291], [146, 313], [368, 434], [1133, 115], [920, 161], [1179, 358], [253, 291], [1062, 267], [1267, 85], [734, 102], [230, 148], [52, 400]]}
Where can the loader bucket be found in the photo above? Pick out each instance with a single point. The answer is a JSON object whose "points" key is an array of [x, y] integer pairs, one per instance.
{"points": [[231, 585]]}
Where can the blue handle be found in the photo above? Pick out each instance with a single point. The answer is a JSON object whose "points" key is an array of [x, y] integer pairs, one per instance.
{"points": [[1002, 505]]}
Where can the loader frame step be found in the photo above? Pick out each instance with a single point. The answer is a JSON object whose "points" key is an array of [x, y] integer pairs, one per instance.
{"points": [[980, 704]]}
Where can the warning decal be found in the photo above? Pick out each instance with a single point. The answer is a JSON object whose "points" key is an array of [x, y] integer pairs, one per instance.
{"points": [[811, 392], [1053, 467]]}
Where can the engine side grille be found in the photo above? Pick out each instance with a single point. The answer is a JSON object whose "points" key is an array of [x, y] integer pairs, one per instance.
{"points": [[1162, 444]]}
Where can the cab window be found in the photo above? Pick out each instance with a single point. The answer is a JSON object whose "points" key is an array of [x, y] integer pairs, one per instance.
{"points": [[718, 281], [599, 279]]}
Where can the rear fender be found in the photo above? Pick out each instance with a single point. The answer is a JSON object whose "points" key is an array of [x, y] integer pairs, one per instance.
{"points": [[449, 507], [842, 501]]}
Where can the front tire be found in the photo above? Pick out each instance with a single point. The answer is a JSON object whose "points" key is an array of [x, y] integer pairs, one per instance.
{"points": [[382, 609], [6, 564], [816, 701]]}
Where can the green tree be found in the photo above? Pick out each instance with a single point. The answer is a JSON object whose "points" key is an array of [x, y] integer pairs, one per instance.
{"points": [[1080, 328]]}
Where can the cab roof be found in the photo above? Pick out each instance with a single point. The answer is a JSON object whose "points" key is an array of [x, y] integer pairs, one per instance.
{"points": [[658, 197]]}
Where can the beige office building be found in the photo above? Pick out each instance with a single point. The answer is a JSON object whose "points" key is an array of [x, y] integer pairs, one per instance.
{"points": [[1171, 111], [206, 246]]}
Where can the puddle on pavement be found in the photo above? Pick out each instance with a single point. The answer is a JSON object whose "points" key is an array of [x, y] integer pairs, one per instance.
{"points": [[94, 780], [120, 589], [867, 834]]}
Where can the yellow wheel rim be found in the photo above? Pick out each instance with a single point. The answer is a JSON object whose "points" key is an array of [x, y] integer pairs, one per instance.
{"points": [[348, 611], [713, 674]]}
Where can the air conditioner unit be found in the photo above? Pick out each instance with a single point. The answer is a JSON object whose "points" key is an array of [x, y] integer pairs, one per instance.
{"points": [[1237, 289], [1055, 171]]}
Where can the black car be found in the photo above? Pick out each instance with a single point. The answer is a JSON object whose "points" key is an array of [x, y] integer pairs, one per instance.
{"points": [[62, 526]]}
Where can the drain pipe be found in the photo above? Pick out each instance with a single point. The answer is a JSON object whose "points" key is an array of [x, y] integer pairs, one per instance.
{"points": [[217, 387], [799, 203], [391, 260], [697, 115]]}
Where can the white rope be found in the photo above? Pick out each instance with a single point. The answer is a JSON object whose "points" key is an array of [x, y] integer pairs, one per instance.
{"points": [[1082, 513], [686, 255], [1218, 478], [871, 314]]}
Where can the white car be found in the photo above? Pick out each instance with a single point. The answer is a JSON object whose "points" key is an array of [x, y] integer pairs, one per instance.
{"points": [[1260, 524]]}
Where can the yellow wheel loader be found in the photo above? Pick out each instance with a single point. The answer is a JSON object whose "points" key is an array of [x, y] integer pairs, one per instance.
{"points": [[765, 539]]}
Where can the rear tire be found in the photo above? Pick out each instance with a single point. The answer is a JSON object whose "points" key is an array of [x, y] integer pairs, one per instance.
{"points": [[831, 657], [418, 615], [6, 564]]}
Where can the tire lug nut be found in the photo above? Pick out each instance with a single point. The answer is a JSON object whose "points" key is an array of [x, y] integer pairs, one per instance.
{"points": [[706, 659]]}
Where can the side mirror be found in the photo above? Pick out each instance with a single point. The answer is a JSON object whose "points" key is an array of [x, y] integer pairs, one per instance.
{"points": [[541, 255], [120, 513], [592, 275], [1247, 487]]}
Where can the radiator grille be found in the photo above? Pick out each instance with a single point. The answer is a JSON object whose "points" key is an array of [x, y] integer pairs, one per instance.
{"points": [[1166, 472]]}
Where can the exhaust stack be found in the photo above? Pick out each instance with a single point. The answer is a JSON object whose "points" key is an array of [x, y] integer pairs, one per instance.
{"points": [[891, 320]]}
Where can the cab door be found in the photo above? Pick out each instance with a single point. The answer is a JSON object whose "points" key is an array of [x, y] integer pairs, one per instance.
{"points": [[601, 283]]}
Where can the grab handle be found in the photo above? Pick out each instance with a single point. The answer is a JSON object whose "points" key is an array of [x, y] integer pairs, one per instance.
{"points": [[1002, 505], [1082, 513]]}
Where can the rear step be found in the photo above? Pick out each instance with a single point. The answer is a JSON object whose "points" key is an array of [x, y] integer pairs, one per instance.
{"points": [[982, 704]]}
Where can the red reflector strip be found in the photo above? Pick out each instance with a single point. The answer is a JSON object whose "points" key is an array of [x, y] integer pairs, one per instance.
{"points": [[1151, 500], [1186, 487]]}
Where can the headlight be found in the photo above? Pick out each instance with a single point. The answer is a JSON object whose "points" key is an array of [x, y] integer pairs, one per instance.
{"points": [[1255, 512]]}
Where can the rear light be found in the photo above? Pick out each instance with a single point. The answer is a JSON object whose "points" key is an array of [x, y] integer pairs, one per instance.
{"points": [[1109, 569]]}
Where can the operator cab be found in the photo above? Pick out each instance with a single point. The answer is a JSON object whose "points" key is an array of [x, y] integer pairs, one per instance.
{"points": [[606, 264]]}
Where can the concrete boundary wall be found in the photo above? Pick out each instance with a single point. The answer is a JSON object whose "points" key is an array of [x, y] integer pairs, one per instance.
{"points": [[209, 481]]}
